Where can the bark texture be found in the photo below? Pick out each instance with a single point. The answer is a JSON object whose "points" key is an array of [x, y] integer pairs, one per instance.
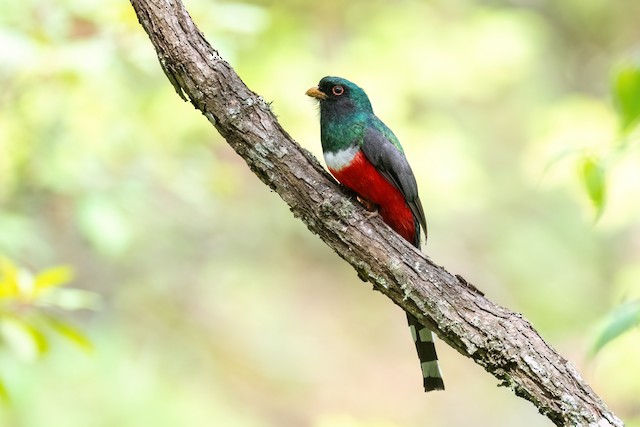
{"points": [[501, 341]]}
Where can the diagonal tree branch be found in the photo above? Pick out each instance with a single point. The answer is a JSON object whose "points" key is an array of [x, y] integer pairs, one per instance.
{"points": [[502, 342]]}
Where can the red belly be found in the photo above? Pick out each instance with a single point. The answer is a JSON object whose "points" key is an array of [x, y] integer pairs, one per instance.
{"points": [[361, 177]]}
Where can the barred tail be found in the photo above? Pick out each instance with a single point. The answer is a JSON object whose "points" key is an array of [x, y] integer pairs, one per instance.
{"points": [[423, 338]]}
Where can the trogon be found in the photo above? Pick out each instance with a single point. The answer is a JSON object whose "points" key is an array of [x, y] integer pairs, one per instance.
{"points": [[365, 156]]}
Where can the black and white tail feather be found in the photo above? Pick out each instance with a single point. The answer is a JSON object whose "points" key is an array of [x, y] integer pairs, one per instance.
{"points": [[423, 339]]}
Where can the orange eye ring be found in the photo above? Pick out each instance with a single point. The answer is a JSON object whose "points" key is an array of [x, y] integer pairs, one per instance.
{"points": [[337, 90]]}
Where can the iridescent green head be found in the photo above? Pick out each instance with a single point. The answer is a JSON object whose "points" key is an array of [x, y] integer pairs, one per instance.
{"points": [[340, 98]]}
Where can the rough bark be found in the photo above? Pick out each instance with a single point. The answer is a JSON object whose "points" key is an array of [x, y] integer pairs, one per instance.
{"points": [[501, 341]]}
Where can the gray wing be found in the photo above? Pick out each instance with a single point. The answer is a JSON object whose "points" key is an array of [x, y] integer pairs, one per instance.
{"points": [[393, 165]]}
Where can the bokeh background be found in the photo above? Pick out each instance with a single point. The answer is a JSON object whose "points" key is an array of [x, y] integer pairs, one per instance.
{"points": [[221, 309]]}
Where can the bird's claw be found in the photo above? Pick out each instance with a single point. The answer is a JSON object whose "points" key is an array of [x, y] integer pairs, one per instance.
{"points": [[371, 214], [369, 206]]}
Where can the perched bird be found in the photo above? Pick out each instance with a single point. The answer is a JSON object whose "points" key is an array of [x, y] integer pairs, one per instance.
{"points": [[364, 155]]}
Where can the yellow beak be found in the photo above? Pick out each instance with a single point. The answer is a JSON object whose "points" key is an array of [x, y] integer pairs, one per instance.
{"points": [[314, 92]]}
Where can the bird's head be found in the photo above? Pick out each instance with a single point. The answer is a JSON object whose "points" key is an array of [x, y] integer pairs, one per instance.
{"points": [[338, 95]]}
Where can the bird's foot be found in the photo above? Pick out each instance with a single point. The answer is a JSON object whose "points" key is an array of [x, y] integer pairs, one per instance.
{"points": [[372, 214], [371, 207]]}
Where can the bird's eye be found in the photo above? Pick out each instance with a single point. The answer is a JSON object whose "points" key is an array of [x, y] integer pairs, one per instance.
{"points": [[337, 90]]}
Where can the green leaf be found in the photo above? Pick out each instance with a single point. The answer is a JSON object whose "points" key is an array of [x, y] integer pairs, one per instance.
{"points": [[70, 332], [592, 172], [25, 340], [53, 277], [626, 93], [8, 279], [619, 321], [4, 393]]}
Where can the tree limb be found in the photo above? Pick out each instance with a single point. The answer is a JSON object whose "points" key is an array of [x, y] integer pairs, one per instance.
{"points": [[502, 342]]}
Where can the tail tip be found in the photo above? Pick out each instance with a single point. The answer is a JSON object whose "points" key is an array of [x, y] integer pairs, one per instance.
{"points": [[433, 383]]}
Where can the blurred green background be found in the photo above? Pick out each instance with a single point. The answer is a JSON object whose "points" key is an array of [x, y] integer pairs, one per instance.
{"points": [[221, 309]]}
